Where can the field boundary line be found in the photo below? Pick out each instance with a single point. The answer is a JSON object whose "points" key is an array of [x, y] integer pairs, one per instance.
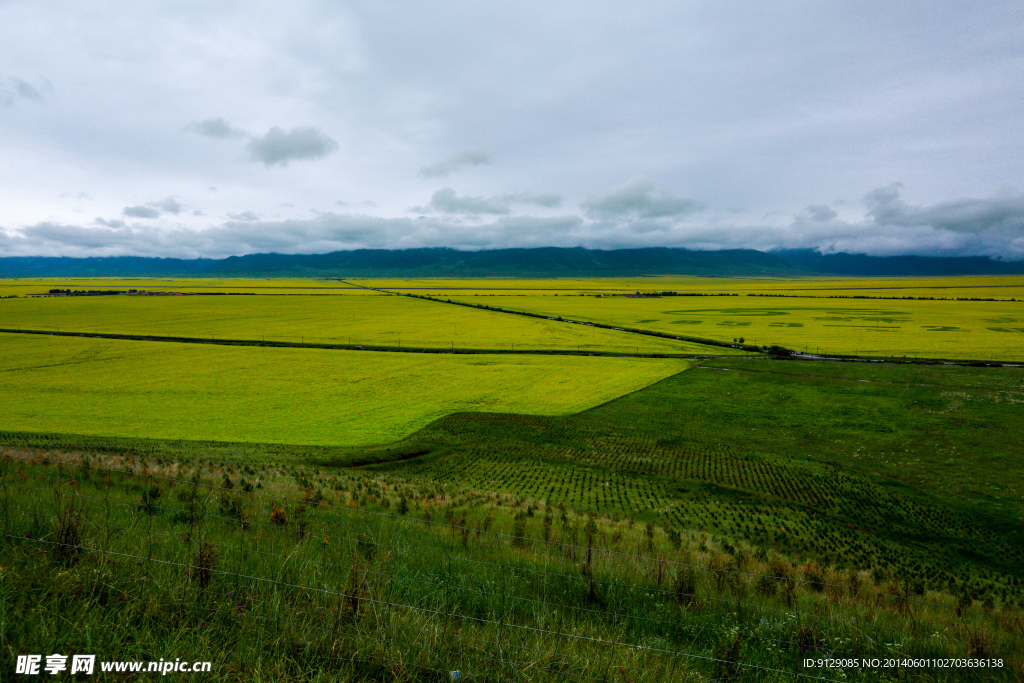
{"points": [[352, 347]]}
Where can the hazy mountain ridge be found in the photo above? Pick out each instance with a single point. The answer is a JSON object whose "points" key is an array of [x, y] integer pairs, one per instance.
{"points": [[538, 262], [862, 264]]}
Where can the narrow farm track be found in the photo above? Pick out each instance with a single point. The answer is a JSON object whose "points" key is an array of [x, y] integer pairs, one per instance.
{"points": [[351, 347]]}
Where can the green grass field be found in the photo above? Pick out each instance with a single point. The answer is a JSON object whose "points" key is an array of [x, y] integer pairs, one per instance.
{"points": [[298, 396], [325, 515], [890, 470], [705, 533]]}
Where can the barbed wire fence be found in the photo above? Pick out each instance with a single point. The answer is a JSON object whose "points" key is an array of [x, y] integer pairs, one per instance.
{"points": [[492, 609]]}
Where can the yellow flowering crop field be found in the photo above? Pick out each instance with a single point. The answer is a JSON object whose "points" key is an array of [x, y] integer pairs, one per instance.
{"points": [[198, 285], [281, 395], [358, 319], [971, 317], [968, 286], [954, 329]]}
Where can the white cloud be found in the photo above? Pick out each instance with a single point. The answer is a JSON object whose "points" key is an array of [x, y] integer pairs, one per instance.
{"points": [[140, 212], [217, 128], [245, 216], [169, 205], [468, 157], [639, 198], [13, 89], [278, 147], [973, 216], [446, 200], [820, 213]]}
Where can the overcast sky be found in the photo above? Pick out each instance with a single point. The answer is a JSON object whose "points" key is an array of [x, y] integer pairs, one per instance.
{"points": [[216, 128]]}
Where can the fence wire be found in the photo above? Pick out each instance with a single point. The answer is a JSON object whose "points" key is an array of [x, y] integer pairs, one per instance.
{"points": [[451, 527], [408, 520]]}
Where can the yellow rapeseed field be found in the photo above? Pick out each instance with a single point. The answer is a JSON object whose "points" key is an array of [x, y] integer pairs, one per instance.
{"points": [[363, 319], [281, 395], [982, 330], [920, 316], [971, 286], [31, 286]]}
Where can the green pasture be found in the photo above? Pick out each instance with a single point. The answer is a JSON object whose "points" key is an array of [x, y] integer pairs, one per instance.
{"points": [[366, 318], [298, 396], [915, 471], [815, 507], [974, 330], [286, 574]]}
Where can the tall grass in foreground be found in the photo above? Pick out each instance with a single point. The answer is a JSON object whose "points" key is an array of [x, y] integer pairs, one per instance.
{"points": [[273, 578]]}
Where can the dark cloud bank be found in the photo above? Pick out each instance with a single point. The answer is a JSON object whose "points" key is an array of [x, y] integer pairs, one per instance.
{"points": [[635, 214]]}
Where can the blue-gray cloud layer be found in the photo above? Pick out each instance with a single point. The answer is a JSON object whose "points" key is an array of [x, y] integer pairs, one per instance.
{"points": [[886, 225]]}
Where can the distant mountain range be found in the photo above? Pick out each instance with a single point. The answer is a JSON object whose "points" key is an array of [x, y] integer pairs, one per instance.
{"points": [[541, 262], [861, 264]]}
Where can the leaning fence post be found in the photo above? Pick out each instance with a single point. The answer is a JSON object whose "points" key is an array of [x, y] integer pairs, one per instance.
{"points": [[149, 526]]}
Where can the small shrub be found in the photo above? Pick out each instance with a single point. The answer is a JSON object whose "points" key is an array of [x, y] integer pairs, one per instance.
{"points": [[519, 530], [979, 644], [675, 538], [149, 498], [686, 586], [718, 568], [366, 547], [232, 508], [68, 533], [727, 654], [780, 572], [278, 516], [766, 585], [300, 520], [813, 576], [206, 558], [853, 581], [314, 497], [807, 638]]}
